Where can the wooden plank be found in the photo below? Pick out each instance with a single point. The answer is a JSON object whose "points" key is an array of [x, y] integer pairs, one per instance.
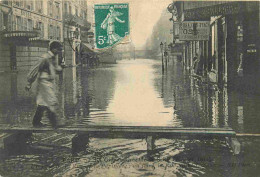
{"points": [[248, 135], [120, 127], [106, 128], [123, 130]]}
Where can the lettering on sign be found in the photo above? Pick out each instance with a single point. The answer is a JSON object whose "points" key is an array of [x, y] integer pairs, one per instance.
{"points": [[194, 30], [206, 12]]}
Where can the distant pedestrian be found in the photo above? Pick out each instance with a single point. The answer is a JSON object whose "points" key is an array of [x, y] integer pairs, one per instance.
{"points": [[44, 72]]}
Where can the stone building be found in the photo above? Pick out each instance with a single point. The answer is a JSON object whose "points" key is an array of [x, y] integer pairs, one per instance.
{"points": [[27, 27]]}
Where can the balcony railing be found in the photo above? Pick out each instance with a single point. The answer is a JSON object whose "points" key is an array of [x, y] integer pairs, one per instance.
{"points": [[26, 34]]}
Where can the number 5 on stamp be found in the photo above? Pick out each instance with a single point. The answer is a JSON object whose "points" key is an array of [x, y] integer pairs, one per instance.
{"points": [[111, 24]]}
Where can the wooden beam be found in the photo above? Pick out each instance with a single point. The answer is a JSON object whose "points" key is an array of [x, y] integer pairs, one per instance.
{"points": [[105, 128], [130, 131]]}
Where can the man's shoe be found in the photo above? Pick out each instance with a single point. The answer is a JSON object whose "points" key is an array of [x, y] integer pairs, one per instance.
{"points": [[39, 125]]}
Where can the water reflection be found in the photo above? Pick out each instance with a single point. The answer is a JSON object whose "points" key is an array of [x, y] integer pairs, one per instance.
{"points": [[133, 92]]}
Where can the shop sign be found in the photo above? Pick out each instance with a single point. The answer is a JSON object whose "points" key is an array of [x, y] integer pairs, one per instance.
{"points": [[215, 10], [194, 31]]}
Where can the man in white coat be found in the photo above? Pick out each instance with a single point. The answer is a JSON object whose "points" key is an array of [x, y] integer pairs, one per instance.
{"points": [[44, 72]]}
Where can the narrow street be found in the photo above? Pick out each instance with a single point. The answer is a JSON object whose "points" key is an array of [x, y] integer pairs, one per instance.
{"points": [[132, 93]]}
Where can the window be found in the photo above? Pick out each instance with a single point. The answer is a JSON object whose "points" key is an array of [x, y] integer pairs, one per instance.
{"points": [[70, 9], [5, 2], [65, 8], [40, 26], [58, 33], [17, 3], [18, 23], [50, 8], [38, 6], [24, 24], [5, 23], [30, 25], [76, 11], [29, 5], [13, 23], [57, 10], [50, 32]]}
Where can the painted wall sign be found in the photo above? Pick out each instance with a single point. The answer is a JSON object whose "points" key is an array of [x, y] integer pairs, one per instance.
{"points": [[194, 30], [111, 24], [206, 12]]}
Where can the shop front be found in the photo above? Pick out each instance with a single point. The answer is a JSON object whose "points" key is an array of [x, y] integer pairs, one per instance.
{"points": [[233, 43]]}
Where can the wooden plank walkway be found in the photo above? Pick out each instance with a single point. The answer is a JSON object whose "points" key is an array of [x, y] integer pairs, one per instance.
{"points": [[150, 133], [97, 131]]}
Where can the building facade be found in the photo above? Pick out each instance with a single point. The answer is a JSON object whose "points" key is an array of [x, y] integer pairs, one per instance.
{"points": [[233, 41], [76, 29], [27, 27]]}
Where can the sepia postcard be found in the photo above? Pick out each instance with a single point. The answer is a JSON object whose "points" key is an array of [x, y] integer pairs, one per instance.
{"points": [[113, 88]]}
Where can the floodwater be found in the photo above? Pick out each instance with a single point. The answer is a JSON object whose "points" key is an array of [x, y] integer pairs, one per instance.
{"points": [[132, 93]]}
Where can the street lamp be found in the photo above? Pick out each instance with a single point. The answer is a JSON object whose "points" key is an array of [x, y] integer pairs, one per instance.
{"points": [[165, 53], [161, 46]]}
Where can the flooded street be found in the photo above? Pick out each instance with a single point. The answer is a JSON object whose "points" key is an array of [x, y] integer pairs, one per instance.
{"points": [[132, 93]]}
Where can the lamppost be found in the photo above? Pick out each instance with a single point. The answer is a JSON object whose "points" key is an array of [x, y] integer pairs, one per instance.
{"points": [[165, 54], [161, 46]]}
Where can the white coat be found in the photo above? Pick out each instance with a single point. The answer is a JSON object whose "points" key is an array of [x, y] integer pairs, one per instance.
{"points": [[44, 72]]}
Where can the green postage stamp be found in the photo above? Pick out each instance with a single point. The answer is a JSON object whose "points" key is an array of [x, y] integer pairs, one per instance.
{"points": [[111, 24]]}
